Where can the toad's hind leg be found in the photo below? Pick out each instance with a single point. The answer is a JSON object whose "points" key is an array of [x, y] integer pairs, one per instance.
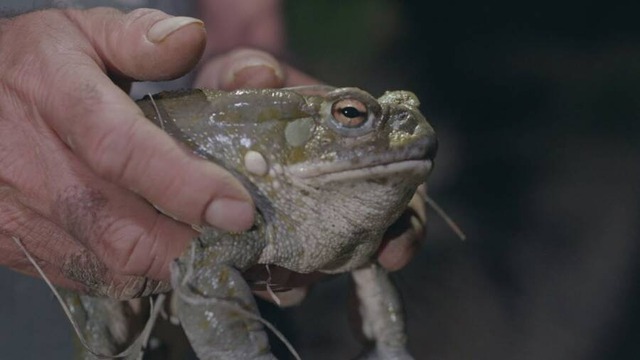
{"points": [[216, 307], [381, 314]]}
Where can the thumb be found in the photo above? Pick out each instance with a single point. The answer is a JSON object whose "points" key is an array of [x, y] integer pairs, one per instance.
{"points": [[144, 44]]}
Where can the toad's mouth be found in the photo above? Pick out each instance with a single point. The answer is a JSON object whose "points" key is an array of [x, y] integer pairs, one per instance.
{"points": [[412, 161], [339, 172]]}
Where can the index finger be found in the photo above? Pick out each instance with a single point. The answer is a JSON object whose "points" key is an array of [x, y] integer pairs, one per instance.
{"points": [[113, 137], [108, 131]]}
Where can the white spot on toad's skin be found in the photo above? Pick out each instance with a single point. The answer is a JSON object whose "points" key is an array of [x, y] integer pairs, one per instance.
{"points": [[255, 163]]}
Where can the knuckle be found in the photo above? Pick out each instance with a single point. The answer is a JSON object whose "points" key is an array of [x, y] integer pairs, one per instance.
{"points": [[118, 266], [131, 249], [16, 219], [177, 190], [98, 280], [117, 245], [145, 14], [18, 65], [80, 17], [133, 22], [105, 144], [8, 213]]}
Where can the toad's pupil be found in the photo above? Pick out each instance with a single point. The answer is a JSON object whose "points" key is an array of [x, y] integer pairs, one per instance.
{"points": [[351, 112]]}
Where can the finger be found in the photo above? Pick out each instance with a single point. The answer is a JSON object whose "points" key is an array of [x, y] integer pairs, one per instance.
{"points": [[66, 262], [62, 220], [396, 253], [144, 44], [47, 242], [249, 68], [241, 68], [97, 280], [418, 203], [108, 131], [111, 135], [123, 231], [404, 237]]}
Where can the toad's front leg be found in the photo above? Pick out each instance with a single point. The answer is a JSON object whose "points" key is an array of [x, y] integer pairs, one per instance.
{"points": [[381, 314], [214, 303]]}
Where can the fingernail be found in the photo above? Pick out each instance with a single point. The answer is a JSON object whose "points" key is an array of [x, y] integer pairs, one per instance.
{"points": [[230, 214], [163, 28], [258, 69]]}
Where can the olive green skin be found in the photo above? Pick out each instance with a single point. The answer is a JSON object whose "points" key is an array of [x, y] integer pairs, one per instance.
{"points": [[328, 192], [326, 187]]}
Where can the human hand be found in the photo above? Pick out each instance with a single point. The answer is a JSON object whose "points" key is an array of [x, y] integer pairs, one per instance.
{"points": [[404, 238], [79, 163]]}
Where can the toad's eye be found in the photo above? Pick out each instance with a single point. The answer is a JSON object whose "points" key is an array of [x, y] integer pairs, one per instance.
{"points": [[350, 113]]}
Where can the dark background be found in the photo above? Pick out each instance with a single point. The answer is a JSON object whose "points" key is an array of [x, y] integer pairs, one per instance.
{"points": [[537, 107]]}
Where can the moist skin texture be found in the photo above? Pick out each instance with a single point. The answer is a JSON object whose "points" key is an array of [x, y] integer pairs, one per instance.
{"points": [[329, 171]]}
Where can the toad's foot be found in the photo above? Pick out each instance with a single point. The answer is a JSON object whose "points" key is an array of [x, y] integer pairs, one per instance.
{"points": [[217, 310], [381, 314]]}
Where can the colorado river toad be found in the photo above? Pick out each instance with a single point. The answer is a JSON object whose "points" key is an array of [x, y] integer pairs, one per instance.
{"points": [[329, 169]]}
